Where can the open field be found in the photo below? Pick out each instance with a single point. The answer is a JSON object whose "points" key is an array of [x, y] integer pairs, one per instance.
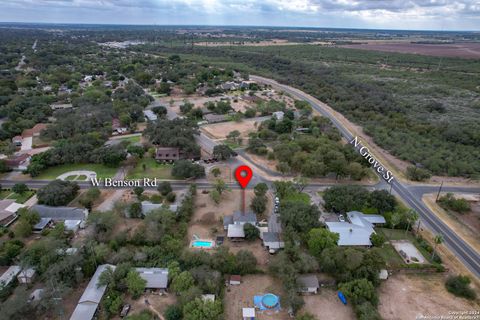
{"points": [[153, 169], [406, 297], [53, 172], [157, 303], [461, 50], [326, 306], [238, 297], [221, 130], [466, 225]]}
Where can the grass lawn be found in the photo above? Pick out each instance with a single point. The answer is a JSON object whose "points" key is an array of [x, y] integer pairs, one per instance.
{"points": [[53, 172], [397, 234], [20, 198], [152, 170], [133, 139], [391, 256]]}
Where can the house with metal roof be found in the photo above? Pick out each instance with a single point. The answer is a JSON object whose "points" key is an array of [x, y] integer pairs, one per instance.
{"points": [[357, 230], [8, 212], [308, 283], [239, 217], [60, 213], [8, 276], [272, 241], [156, 278], [91, 297]]}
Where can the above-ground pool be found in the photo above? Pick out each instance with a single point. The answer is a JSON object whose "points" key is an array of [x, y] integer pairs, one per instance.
{"points": [[203, 244], [270, 300]]}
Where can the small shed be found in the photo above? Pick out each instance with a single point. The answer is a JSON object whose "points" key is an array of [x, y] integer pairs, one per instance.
{"points": [[308, 284], [235, 280], [248, 313], [26, 276], [383, 274], [42, 224]]}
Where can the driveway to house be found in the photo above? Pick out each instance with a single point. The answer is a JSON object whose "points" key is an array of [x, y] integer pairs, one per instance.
{"points": [[27, 144], [88, 174]]}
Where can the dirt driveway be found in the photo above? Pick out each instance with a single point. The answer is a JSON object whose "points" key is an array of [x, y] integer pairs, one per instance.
{"points": [[406, 297], [326, 306], [238, 297]]}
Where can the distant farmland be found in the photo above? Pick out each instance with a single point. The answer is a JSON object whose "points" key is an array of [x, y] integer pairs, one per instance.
{"points": [[460, 50]]}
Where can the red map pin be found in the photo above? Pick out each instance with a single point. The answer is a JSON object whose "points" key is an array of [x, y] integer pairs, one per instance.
{"points": [[243, 174]]}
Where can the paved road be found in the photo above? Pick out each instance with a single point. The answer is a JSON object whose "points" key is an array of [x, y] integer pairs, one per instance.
{"points": [[411, 195]]}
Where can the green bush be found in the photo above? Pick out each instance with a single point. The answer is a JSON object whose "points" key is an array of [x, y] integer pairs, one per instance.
{"points": [[460, 286], [449, 202]]}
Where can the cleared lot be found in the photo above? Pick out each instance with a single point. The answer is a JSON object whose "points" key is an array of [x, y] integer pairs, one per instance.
{"points": [[327, 306]]}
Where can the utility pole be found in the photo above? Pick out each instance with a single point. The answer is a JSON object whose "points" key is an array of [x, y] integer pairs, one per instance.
{"points": [[439, 190]]}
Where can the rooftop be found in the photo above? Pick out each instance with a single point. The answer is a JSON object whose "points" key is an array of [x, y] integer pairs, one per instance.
{"points": [[308, 281], [60, 213], [157, 278]]}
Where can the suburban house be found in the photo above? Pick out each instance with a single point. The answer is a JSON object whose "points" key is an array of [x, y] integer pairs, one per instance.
{"points": [[156, 278], [308, 283], [357, 230], [169, 154], [215, 118], [73, 218], [234, 224], [35, 131], [26, 276], [272, 241], [91, 297], [18, 162], [17, 141], [117, 127], [150, 115], [8, 211], [148, 207], [8, 276]]}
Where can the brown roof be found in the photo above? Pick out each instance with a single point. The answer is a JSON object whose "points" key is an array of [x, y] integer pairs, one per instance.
{"points": [[235, 277], [35, 130]]}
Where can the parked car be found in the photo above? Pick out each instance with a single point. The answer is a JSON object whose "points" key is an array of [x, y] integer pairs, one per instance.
{"points": [[125, 310], [341, 218]]}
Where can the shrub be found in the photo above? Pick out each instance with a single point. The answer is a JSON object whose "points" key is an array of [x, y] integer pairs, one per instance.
{"points": [[460, 286], [377, 239], [449, 202], [417, 174], [251, 232]]}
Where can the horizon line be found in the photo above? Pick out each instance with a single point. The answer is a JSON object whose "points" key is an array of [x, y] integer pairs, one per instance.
{"points": [[233, 25]]}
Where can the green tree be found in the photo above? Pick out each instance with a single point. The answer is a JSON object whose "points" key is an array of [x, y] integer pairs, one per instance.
{"points": [[138, 191], [202, 310], [246, 262], [260, 189], [216, 172], [19, 188], [186, 169], [377, 239], [251, 232], [299, 215], [345, 198], [411, 216], [135, 284], [173, 312], [223, 152], [382, 201], [220, 186], [165, 188], [359, 291], [460, 286], [182, 282], [259, 204], [135, 210], [395, 219], [57, 193], [319, 239], [438, 239]]}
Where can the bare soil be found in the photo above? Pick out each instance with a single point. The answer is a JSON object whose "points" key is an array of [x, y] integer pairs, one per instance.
{"points": [[238, 297], [207, 220], [326, 306], [157, 302], [221, 130], [256, 247], [460, 50], [406, 297]]}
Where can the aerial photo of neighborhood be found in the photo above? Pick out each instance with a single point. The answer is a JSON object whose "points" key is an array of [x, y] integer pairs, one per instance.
{"points": [[229, 160]]}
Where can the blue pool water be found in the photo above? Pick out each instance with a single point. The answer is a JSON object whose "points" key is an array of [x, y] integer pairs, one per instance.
{"points": [[202, 244], [270, 300]]}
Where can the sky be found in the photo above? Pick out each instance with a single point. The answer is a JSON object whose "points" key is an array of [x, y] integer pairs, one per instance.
{"points": [[375, 14]]}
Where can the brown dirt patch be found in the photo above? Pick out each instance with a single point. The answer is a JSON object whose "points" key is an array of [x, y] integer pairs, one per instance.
{"points": [[221, 130], [205, 208], [238, 297], [326, 305], [256, 248], [157, 302], [405, 297]]}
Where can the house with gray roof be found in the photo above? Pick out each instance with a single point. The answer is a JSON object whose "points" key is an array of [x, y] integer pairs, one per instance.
{"points": [[91, 297], [308, 283], [156, 278], [8, 276], [272, 241], [357, 230], [60, 213], [239, 218], [148, 207]]}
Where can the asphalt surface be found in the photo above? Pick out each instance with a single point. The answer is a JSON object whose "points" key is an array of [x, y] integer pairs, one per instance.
{"points": [[411, 195]]}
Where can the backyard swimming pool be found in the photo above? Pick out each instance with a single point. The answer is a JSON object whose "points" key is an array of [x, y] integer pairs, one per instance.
{"points": [[270, 300], [203, 244]]}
